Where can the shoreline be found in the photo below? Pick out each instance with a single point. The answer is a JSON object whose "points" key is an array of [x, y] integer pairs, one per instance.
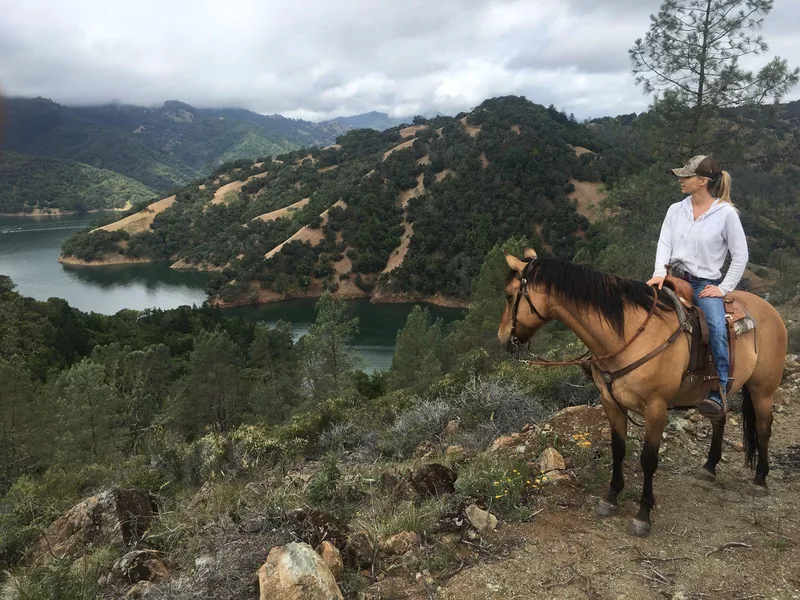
{"points": [[272, 297], [57, 212], [109, 260]]}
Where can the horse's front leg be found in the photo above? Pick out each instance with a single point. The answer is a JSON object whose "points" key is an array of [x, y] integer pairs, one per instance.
{"points": [[609, 506], [708, 472], [655, 418]]}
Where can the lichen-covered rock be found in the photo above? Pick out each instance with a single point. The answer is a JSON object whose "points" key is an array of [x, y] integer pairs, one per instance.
{"points": [[551, 460], [434, 480], [115, 517], [483, 521], [400, 543], [296, 572], [360, 549], [451, 428], [333, 558], [140, 565]]}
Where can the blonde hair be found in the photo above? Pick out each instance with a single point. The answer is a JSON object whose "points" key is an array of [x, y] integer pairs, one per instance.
{"points": [[721, 187]]}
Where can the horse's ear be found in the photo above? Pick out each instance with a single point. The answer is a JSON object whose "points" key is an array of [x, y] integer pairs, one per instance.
{"points": [[530, 253], [514, 263]]}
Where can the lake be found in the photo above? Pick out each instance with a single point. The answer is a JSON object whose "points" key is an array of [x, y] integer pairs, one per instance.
{"points": [[29, 250]]}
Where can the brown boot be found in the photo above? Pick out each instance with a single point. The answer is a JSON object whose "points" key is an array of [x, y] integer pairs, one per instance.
{"points": [[712, 407]]}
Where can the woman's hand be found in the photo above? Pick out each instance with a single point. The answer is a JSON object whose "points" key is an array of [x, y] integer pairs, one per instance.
{"points": [[657, 282], [711, 291]]}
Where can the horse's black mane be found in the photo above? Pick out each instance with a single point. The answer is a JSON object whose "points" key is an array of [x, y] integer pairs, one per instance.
{"points": [[588, 289]]}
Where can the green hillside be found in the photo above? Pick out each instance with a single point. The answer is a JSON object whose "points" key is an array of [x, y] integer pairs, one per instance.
{"points": [[162, 148], [40, 127], [439, 194], [413, 211], [28, 183]]}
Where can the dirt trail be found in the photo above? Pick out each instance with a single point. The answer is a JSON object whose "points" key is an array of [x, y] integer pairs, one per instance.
{"points": [[307, 234], [282, 212], [588, 194], [398, 255], [709, 541], [402, 146], [234, 186], [412, 131], [141, 221], [472, 130]]}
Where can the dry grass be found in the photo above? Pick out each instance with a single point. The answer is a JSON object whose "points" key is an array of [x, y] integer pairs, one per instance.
{"points": [[140, 221]]}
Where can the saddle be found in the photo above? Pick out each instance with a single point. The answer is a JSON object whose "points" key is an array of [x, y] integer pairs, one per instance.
{"points": [[701, 360]]}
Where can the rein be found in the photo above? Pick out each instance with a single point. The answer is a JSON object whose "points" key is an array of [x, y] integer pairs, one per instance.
{"points": [[585, 359], [581, 360]]}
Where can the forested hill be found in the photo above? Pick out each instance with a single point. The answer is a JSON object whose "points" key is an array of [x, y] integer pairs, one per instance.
{"points": [[160, 148], [412, 210]]}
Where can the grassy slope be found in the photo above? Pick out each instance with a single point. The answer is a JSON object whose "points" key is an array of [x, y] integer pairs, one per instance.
{"points": [[28, 182]]}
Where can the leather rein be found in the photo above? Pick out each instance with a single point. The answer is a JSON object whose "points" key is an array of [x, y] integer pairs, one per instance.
{"points": [[586, 360]]}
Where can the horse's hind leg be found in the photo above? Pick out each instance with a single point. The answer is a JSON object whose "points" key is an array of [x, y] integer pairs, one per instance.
{"points": [[709, 470], [655, 418], [757, 426], [619, 434]]}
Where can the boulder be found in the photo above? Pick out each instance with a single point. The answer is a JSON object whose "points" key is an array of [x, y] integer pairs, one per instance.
{"points": [[483, 521], [140, 565], [400, 543], [454, 451], [434, 479], [360, 549], [296, 572], [115, 517], [506, 441], [333, 558], [551, 460], [451, 428]]}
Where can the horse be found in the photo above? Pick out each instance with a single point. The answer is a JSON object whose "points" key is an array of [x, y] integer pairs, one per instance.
{"points": [[621, 321]]}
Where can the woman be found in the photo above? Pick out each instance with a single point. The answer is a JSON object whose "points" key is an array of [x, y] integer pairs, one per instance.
{"points": [[696, 236]]}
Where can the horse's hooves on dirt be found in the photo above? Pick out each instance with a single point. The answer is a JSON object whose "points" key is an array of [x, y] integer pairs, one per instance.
{"points": [[606, 509], [758, 490], [704, 475], [639, 528]]}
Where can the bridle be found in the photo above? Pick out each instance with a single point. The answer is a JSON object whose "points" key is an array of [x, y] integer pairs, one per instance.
{"points": [[522, 292], [586, 360]]}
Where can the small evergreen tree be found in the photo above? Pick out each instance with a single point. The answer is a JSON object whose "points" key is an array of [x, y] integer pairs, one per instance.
{"points": [[691, 55]]}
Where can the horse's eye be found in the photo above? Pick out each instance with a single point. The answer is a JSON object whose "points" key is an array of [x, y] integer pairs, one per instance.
{"points": [[508, 296]]}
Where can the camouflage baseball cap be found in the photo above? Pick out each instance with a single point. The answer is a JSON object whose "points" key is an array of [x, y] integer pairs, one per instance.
{"points": [[700, 165]]}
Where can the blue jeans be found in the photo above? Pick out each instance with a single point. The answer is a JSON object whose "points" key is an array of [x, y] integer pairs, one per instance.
{"points": [[714, 310]]}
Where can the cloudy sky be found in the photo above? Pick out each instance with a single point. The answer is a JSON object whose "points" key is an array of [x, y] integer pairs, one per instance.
{"points": [[322, 58]]}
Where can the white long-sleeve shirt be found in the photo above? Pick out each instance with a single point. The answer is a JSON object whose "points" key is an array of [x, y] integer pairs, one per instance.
{"points": [[700, 246]]}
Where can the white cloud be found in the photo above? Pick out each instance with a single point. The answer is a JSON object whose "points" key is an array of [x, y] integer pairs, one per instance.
{"points": [[318, 59]]}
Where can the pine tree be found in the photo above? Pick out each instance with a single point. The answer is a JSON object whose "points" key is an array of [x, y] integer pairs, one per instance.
{"points": [[690, 57]]}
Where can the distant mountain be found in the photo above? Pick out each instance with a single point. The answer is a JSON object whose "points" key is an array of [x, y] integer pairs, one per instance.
{"points": [[162, 148], [36, 183], [40, 127], [371, 120]]}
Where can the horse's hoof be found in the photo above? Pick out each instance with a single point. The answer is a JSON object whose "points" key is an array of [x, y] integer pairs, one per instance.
{"points": [[606, 509], [758, 490], [704, 474], [639, 528]]}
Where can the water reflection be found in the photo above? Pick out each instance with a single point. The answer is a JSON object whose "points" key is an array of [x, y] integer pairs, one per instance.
{"points": [[29, 251]]}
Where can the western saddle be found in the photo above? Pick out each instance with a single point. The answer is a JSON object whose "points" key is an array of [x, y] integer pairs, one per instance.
{"points": [[701, 360]]}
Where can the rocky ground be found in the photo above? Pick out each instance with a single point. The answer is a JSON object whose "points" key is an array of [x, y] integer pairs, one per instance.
{"points": [[709, 540]]}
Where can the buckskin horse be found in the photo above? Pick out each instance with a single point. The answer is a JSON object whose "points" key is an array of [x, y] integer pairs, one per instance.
{"points": [[612, 316]]}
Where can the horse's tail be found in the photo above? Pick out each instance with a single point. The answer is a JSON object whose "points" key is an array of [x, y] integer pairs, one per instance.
{"points": [[749, 432]]}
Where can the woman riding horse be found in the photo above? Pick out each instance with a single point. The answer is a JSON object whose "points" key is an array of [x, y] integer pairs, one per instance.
{"points": [[641, 361], [696, 236]]}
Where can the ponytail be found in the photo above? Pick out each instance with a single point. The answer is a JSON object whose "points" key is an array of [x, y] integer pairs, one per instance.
{"points": [[725, 187], [720, 187]]}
